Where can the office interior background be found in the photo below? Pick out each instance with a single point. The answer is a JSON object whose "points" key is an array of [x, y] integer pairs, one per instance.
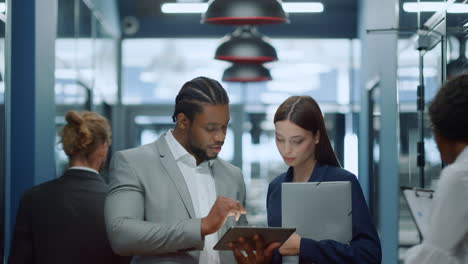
{"points": [[362, 60]]}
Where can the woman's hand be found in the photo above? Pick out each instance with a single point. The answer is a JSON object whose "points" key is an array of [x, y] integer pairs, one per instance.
{"points": [[255, 250], [292, 246]]}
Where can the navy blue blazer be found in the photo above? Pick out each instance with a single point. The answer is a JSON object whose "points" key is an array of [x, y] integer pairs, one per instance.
{"points": [[365, 244]]}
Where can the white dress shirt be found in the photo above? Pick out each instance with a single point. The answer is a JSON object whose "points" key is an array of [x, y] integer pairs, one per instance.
{"points": [[447, 239], [83, 168], [202, 189]]}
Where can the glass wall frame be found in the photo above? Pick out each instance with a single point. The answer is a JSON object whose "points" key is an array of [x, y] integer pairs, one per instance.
{"points": [[86, 66], [2, 127], [424, 66]]}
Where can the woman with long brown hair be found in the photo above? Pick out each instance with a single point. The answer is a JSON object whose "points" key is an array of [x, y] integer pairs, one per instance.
{"points": [[303, 143]]}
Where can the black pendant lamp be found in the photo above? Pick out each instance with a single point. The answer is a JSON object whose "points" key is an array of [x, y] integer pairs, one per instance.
{"points": [[246, 73], [245, 12], [246, 45]]}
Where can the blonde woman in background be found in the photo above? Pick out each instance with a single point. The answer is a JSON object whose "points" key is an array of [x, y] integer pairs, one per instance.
{"points": [[62, 220]]}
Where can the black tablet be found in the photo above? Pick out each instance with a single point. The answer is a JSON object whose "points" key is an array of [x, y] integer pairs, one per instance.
{"points": [[269, 235]]}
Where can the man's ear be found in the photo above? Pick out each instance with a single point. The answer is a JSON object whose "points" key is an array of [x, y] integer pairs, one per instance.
{"points": [[182, 121]]}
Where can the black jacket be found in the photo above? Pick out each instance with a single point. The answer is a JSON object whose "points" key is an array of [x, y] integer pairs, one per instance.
{"points": [[62, 221]]}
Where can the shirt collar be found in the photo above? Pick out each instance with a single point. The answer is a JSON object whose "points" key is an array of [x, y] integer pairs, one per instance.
{"points": [[83, 168], [176, 148], [463, 156], [318, 174], [179, 152]]}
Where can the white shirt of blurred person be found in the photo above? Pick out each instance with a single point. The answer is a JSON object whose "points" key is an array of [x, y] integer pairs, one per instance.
{"points": [[447, 239]]}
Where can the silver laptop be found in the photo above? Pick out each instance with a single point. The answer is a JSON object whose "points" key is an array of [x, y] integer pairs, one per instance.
{"points": [[318, 210]]}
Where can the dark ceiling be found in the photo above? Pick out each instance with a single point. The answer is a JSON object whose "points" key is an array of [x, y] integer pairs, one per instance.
{"points": [[339, 20]]}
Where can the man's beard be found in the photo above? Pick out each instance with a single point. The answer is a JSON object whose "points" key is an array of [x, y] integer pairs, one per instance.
{"points": [[199, 152]]}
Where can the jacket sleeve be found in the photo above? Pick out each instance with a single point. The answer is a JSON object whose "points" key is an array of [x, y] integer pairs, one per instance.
{"points": [[21, 251], [128, 232], [364, 246]]}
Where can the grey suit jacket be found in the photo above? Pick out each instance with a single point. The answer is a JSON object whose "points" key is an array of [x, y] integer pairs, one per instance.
{"points": [[149, 213]]}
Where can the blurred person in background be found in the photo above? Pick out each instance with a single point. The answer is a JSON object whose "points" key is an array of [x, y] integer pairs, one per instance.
{"points": [[447, 237], [62, 220]]}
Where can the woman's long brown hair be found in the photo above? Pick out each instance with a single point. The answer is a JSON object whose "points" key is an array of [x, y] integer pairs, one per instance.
{"points": [[305, 112]]}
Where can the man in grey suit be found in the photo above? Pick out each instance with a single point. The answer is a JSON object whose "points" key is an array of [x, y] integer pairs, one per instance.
{"points": [[170, 200]]}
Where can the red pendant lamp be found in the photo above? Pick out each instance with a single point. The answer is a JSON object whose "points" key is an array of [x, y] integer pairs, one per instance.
{"points": [[246, 45], [245, 12], [246, 73]]}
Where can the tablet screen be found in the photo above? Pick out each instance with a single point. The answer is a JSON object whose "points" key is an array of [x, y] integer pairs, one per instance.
{"points": [[269, 235]]}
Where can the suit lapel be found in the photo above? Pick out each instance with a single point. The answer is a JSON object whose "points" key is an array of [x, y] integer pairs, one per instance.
{"points": [[218, 175], [169, 163], [223, 188], [220, 184]]}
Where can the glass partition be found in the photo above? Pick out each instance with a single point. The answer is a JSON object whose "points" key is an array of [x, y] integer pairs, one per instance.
{"points": [[85, 66], [457, 38], [420, 74], [2, 125], [410, 134], [73, 59], [104, 66], [155, 69], [374, 147]]}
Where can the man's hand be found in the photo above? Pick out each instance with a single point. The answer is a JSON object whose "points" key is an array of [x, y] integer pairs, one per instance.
{"points": [[221, 210], [261, 255], [292, 246]]}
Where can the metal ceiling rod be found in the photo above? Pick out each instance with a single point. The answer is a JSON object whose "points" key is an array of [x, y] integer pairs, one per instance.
{"points": [[422, 47]]}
